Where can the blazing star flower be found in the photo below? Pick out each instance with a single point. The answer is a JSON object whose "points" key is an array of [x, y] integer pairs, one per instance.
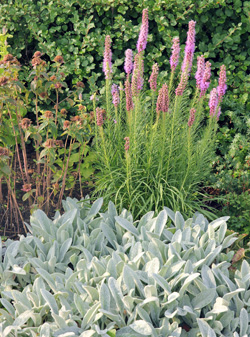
{"points": [[128, 66], [128, 93], [115, 94], [153, 77], [107, 64], [189, 49], [191, 117], [142, 40], [222, 87], [182, 85], [137, 77], [163, 99], [206, 79], [126, 146], [200, 71], [213, 102], [174, 59], [99, 116]]}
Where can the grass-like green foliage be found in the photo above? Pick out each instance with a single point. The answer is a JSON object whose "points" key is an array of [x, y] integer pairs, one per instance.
{"points": [[167, 160], [87, 273]]}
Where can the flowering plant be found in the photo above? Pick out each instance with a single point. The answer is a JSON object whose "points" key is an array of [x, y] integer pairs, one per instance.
{"points": [[160, 148]]}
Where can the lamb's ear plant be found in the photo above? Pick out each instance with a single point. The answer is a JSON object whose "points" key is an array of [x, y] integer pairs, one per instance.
{"points": [[155, 146], [95, 272]]}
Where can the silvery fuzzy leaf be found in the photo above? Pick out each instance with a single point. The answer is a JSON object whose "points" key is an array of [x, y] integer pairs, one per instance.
{"points": [[160, 222], [45, 330], [229, 240], [127, 225], [152, 266], [226, 318], [170, 213], [109, 234], [87, 333], [205, 329], [105, 297], [115, 318], [172, 297], [50, 300], [90, 314], [135, 250], [143, 314], [142, 327], [203, 299], [60, 322], [186, 283], [208, 277], [116, 293], [245, 268], [230, 295], [177, 237], [8, 306], [170, 314], [64, 248], [179, 221], [22, 319], [130, 279], [161, 281], [211, 256], [188, 267], [95, 208], [47, 277], [244, 322], [145, 219], [40, 245], [221, 233], [211, 232], [220, 306], [218, 222]]}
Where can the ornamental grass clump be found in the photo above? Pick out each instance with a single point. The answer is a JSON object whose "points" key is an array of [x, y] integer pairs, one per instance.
{"points": [[171, 133]]}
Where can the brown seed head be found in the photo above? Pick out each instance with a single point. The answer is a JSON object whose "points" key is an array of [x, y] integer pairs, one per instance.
{"points": [[80, 85], [62, 74], [49, 143], [3, 81], [58, 59], [36, 61], [76, 119], [48, 114], [81, 107], [63, 112], [8, 58], [58, 85], [59, 143], [4, 151], [37, 54], [25, 123], [52, 78], [43, 94], [66, 124], [26, 187]]}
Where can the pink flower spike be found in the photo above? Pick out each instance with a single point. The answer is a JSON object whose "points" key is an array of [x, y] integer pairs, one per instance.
{"points": [[137, 77], [153, 77], [115, 94], [213, 102], [200, 71], [222, 87], [174, 59], [129, 101], [189, 49], [107, 64], [163, 99], [126, 146], [99, 116], [143, 35], [128, 66], [206, 79], [191, 117]]}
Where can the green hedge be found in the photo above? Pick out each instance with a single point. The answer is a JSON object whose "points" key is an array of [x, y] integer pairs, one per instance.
{"points": [[76, 29]]}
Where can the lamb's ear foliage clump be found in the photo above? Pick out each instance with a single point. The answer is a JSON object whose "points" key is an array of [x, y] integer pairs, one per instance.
{"points": [[88, 273]]}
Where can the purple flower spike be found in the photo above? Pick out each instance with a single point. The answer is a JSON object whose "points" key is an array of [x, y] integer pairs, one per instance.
{"points": [[174, 59], [137, 77], [128, 66], [222, 87], [153, 77], [213, 102], [163, 99], [115, 94], [191, 117], [200, 71], [189, 49], [206, 79], [129, 101], [142, 40], [107, 64]]}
